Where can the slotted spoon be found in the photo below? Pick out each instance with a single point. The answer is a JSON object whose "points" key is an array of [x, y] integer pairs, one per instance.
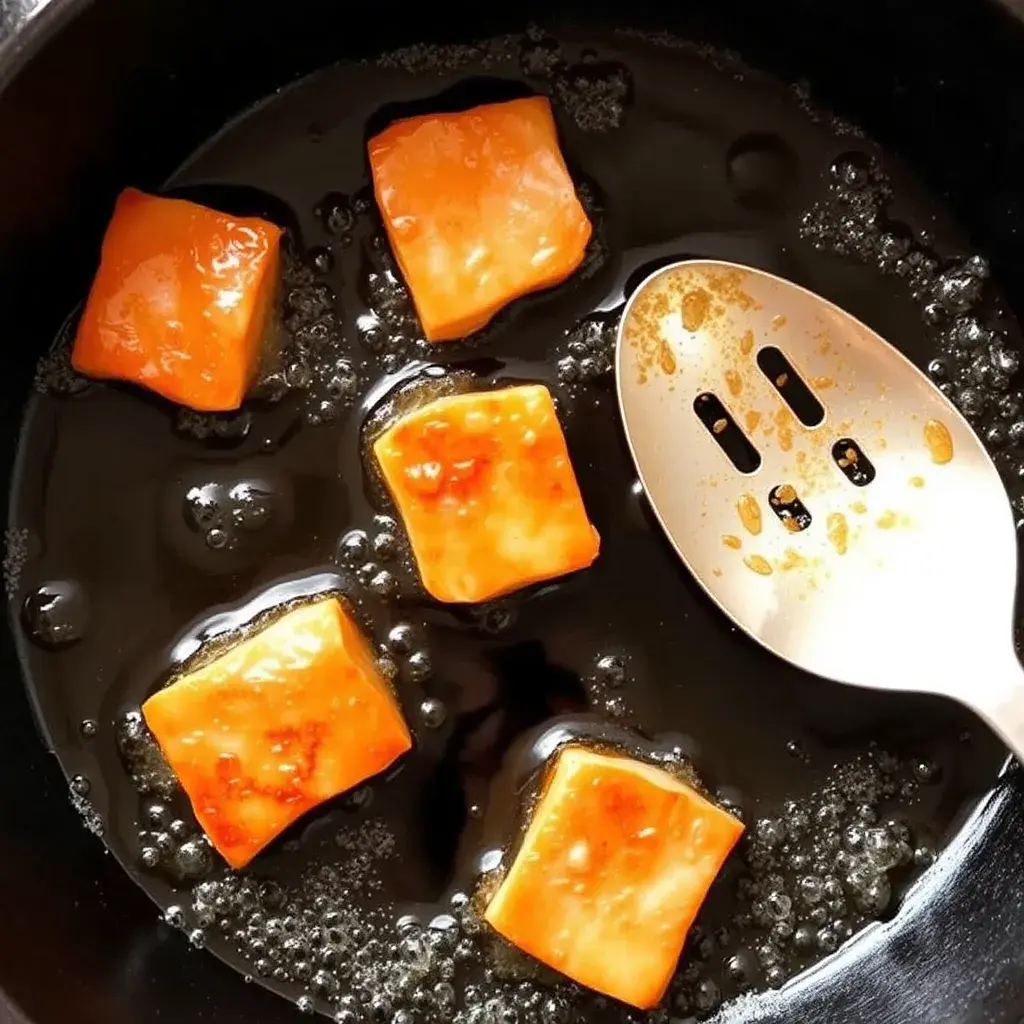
{"points": [[906, 582]]}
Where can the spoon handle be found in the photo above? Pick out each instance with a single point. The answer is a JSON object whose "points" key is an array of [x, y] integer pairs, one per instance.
{"points": [[999, 699]]}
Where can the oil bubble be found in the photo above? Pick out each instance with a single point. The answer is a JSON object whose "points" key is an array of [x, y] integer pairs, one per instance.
{"points": [[385, 546], [604, 684], [777, 905], [315, 360], [157, 814], [15, 556], [568, 370], [354, 547], [611, 670], [761, 169], [336, 214], [596, 94], [873, 894], [56, 614], [387, 668], [852, 171], [708, 995], [818, 872], [401, 639], [322, 259], [366, 572], [297, 374], [193, 858], [201, 506], [216, 538], [142, 757], [956, 290], [54, 374], [341, 380], [495, 618], [175, 916], [383, 584], [223, 518], [540, 55], [444, 996], [251, 505], [616, 707], [770, 831], [419, 667], [924, 856], [89, 815], [358, 799], [391, 328], [222, 428], [587, 351], [433, 713]]}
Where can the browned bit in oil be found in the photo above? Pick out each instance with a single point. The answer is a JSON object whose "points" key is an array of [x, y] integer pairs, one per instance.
{"points": [[758, 564], [666, 359], [750, 513], [849, 458], [784, 421], [939, 441], [784, 495], [838, 532], [792, 560], [696, 305]]}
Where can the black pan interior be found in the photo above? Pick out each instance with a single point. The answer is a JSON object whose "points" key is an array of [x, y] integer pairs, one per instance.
{"points": [[910, 726]]}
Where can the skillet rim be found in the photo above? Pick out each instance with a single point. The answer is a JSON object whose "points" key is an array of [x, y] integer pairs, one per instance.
{"points": [[974, 878]]}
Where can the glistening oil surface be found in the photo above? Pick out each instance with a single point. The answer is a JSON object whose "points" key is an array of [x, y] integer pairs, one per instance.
{"points": [[150, 530]]}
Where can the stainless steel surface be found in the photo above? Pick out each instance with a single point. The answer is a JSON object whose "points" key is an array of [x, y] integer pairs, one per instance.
{"points": [[906, 583], [23, 23]]}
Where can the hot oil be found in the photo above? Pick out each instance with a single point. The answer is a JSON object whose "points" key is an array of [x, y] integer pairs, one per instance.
{"points": [[142, 535]]}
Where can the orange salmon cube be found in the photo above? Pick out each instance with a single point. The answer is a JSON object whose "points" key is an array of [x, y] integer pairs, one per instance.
{"points": [[479, 208], [180, 302], [281, 722], [616, 862], [485, 488]]}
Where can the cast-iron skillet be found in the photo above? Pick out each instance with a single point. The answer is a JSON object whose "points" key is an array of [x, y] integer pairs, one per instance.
{"points": [[96, 94]]}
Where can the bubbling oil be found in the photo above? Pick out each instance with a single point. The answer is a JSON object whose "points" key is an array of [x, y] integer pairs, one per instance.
{"points": [[146, 539]]}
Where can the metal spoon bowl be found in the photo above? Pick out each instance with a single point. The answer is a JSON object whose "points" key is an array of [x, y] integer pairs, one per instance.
{"points": [[896, 566]]}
